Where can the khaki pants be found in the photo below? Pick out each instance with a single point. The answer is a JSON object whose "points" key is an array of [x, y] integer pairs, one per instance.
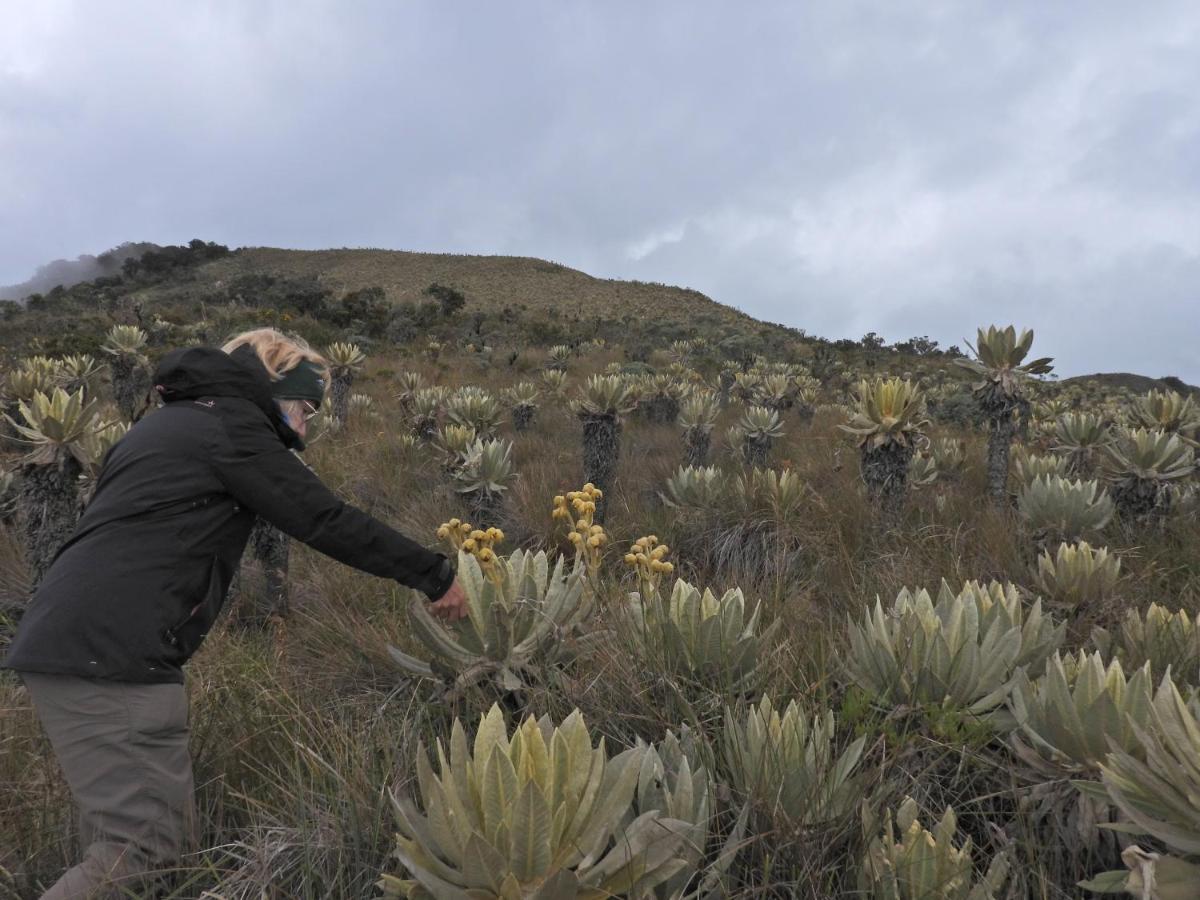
{"points": [[123, 749]]}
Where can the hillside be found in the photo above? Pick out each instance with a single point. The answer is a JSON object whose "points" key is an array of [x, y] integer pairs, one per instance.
{"points": [[509, 301], [70, 272], [1138, 384], [492, 282]]}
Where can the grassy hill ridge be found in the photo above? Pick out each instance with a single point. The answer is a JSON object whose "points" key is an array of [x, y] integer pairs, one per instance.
{"points": [[491, 281], [515, 289]]}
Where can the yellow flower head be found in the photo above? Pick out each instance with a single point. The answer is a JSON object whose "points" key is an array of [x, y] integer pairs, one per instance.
{"points": [[453, 523], [594, 541], [631, 559], [469, 545], [443, 532], [478, 535]]}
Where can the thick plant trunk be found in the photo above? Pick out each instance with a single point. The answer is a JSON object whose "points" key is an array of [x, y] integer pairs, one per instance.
{"points": [[601, 448], [885, 472], [662, 410], [696, 444], [271, 547], [1000, 437], [1139, 500], [756, 450], [339, 397], [426, 429], [486, 508], [131, 383], [47, 510], [522, 416]]}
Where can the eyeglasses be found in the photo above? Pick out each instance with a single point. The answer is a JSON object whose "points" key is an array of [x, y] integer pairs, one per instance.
{"points": [[310, 410]]}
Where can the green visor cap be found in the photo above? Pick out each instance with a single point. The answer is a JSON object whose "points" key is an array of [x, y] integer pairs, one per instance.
{"points": [[305, 382]]}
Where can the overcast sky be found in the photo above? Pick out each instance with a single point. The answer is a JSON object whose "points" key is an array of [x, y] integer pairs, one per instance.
{"points": [[905, 168]]}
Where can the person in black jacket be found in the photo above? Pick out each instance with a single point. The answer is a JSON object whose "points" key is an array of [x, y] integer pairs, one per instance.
{"points": [[132, 593]]}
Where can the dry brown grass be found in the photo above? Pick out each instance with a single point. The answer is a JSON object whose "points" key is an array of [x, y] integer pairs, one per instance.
{"points": [[492, 282], [299, 733]]}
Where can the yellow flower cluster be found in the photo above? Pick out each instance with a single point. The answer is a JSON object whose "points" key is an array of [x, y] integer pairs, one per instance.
{"points": [[480, 544], [647, 559], [577, 508]]}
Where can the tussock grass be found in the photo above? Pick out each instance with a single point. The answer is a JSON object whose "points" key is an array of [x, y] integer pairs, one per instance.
{"points": [[299, 732]]}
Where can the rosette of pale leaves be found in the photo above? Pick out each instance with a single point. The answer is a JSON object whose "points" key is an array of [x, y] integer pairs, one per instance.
{"points": [[1077, 574], [555, 381], [673, 783], [524, 393], [454, 442], [1000, 355], [98, 441], [693, 487], [38, 374], [1051, 408], [557, 358], [1030, 466], [1150, 456], [607, 396], [701, 636], [922, 470], [758, 423], [699, 411], [776, 496], [409, 383], [542, 814], [909, 863], [1162, 638], [486, 467], [949, 455], [1167, 411], [1079, 710], [81, 372], [362, 406], [475, 408], [1055, 507], [522, 617], [776, 391], [125, 340], [961, 651], [786, 765], [426, 407], [56, 423], [1156, 785], [344, 357], [1079, 436], [887, 411]]}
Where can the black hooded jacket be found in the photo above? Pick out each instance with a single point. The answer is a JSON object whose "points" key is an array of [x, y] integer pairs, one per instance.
{"points": [[133, 592]]}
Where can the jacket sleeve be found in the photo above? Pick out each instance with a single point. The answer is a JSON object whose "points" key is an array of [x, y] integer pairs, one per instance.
{"points": [[264, 476]]}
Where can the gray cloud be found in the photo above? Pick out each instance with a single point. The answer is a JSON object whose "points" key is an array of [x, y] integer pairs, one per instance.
{"points": [[843, 167]]}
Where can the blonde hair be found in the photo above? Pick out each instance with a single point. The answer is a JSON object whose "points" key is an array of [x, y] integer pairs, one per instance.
{"points": [[278, 352]]}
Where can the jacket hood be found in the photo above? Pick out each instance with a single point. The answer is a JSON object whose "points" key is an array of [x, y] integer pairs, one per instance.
{"points": [[191, 373]]}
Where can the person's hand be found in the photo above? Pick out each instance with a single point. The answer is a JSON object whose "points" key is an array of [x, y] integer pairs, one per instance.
{"points": [[453, 604]]}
